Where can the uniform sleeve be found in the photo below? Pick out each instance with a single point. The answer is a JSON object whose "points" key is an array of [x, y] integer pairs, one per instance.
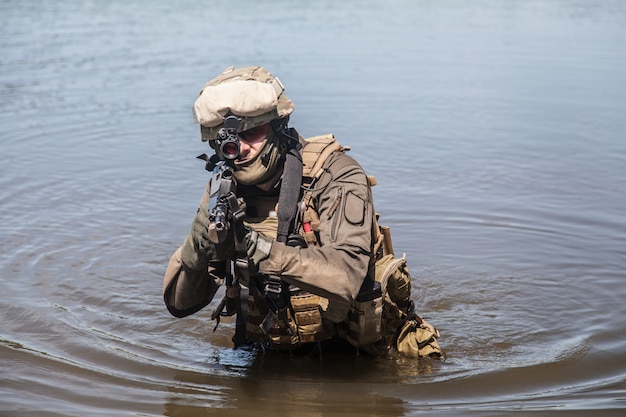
{"points": [[337, 268], [187, 290]]}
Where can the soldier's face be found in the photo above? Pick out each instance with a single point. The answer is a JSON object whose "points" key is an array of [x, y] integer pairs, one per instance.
{"points": [[252, 141]]}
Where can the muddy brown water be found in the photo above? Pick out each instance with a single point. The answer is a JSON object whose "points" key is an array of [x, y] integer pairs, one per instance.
{"points": [[495, 130]]}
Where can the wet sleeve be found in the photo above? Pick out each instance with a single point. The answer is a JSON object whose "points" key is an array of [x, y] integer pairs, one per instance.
{"points": [[187, 290], [337, 268]]}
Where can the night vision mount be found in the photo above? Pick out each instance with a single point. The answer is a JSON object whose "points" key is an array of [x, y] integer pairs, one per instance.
{"points": [[227, 146]]}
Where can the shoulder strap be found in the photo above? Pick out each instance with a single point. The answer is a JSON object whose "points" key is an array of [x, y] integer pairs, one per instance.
{"points": [[290, 189]]}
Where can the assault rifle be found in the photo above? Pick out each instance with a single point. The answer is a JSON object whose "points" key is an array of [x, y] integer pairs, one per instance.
{"points": [[226, 211]]}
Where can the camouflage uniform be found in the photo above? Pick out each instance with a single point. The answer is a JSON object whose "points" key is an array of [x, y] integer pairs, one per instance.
{"points": [[324, 278]]}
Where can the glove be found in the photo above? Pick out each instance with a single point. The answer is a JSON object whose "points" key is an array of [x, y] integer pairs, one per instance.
{"points": [[258, 249], [194, 250]]}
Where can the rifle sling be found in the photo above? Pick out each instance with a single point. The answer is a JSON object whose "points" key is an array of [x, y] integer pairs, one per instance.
{"points": [[290, 189], [239, 339]]}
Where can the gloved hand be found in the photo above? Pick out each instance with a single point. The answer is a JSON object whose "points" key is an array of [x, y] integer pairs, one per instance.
{"points": [[194, 249], [258, 249]]}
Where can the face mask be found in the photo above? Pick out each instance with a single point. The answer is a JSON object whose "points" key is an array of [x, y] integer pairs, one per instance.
{"points": [[262, 166]]}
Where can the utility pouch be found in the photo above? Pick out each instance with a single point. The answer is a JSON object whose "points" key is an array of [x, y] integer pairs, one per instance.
{"points": [[308, 317], [281, 333], [417, 338], [364, 323], [394, 277], [275, 329], [394, 282], [300, 323]]}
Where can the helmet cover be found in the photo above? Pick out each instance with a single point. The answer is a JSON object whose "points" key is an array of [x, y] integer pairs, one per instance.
{"points": [[250, 93]]}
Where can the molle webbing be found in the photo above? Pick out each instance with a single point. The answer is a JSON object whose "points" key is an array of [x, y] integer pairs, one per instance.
{"points": [[315, 152], [303, 318]]}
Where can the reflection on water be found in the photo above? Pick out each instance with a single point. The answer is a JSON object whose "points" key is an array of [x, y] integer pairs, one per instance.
{"points": [[494, 130], [313, 389]]}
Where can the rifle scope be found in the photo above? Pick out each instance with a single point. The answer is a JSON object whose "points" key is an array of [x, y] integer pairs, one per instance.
{"points": [[227, 141]]}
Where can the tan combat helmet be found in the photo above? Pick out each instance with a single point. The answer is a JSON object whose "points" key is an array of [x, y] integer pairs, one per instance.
{"points": [[251, 93]]}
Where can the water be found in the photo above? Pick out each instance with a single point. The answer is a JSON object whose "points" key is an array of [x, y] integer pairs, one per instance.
{"points": [[494, 129]]}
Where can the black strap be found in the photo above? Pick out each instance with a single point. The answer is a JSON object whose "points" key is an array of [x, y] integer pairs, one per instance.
{"points": [[290, 188], [239, 339]]}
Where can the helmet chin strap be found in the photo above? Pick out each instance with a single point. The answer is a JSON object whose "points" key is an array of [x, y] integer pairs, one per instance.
{"points": [[280, 125], [282, 132], [265, 158]]}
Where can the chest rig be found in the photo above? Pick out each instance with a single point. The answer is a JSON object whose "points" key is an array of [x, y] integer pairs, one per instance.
{"points": [[381, 317], [300, 320]]}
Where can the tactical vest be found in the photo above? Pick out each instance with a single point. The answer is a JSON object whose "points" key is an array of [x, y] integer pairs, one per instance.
{"points": [[383, 304]]}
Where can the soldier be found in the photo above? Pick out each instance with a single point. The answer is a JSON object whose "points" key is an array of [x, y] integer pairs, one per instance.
{"points": [[288, 225]]}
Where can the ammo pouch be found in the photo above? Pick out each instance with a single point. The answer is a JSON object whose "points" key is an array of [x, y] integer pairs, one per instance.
{"points": [[364, 322], [404, 330], [299, 323], [383, 315], [308, 317], [381, 306]]}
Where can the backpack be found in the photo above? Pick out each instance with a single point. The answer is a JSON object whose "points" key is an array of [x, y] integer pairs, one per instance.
{"points": [[382, 316]]}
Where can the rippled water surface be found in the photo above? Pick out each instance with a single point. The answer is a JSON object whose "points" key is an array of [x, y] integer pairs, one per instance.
{"points": [[496, 132]]}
